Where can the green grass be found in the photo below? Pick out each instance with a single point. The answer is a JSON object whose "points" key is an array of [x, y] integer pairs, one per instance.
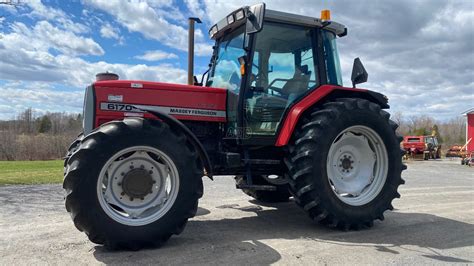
{"points": [[31, 172]]}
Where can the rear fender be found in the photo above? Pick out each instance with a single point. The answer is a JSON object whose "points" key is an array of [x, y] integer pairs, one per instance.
{"points": [[173, 122], [319, 96]]}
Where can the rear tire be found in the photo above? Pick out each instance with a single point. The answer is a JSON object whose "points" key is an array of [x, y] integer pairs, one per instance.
{"points": [[313, 183], [281, 194], [112, 226]]}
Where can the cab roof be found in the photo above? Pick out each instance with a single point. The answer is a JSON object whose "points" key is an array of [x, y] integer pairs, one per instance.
{"points": [[289, 18], [277, 16]]}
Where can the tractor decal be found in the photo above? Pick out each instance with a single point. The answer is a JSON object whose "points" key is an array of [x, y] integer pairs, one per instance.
{"points": [[165, 109]]}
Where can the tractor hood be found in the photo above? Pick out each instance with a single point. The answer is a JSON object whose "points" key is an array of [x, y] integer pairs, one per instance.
{"points": [[116, 99]]}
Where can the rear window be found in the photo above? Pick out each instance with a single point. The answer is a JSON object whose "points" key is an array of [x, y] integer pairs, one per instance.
{"points": [[413, 140]]}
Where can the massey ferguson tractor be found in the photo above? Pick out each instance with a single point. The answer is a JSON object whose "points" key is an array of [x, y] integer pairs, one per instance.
{"points": [[271, 110]]}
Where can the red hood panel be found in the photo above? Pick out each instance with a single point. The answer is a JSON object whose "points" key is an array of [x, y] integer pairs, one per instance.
{"points": [[184, 102]]}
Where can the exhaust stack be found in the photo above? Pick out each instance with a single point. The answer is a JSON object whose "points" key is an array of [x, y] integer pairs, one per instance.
{"points": [[191, 49], [106, 76]]}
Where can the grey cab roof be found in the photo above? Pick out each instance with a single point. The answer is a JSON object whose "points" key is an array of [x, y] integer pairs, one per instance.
{"points": [[278, 16], [283, 17]]}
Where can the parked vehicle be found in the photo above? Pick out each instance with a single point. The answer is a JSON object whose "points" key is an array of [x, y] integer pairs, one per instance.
{"points": [[426, 147], [133, 178]]}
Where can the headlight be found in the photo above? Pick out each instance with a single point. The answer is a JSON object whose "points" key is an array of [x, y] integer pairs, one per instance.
{"points": [[230, 19], [239, 15]]}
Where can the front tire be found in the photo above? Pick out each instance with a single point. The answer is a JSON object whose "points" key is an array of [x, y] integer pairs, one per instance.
{"points": [[132, 184], [345, 163]]}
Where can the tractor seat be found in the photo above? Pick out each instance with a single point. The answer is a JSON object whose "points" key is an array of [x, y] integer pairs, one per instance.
{"points": [[299, 83]]}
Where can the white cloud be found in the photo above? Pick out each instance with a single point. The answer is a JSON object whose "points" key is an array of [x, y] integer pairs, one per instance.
{"points": [[42, 11], [156, 55], [110, 32], [44, 36], [149, 19], [141, 17], [77, 72], [203, 49], [26, 54], [63, 21]]}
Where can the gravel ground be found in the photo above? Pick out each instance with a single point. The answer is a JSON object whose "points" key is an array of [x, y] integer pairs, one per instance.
{"points": [[433, 223]]}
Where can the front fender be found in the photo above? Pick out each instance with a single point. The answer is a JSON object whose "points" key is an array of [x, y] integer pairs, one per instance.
{"points": [[173, 122]]}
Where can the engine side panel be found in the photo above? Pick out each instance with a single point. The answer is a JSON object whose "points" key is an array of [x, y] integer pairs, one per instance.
{"points": [[120, 98]]}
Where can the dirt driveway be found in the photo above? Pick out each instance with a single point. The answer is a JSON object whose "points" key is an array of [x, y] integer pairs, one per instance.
{"points": [[433, 222]]}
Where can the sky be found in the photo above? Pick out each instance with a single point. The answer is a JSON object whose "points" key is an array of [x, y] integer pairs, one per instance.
{"points": [[418, 53]]}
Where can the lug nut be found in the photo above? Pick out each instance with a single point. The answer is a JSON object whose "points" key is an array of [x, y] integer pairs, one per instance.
{"points": [[131, 199], [150, 172], [142, 166], [122, 173], [119, 183], [131, 167], [123, 193]]}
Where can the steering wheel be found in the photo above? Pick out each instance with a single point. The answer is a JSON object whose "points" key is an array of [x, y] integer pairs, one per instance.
{"points": [[269, 87]]}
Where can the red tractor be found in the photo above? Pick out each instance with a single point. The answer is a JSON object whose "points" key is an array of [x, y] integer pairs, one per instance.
{"points": [[272, 111]]}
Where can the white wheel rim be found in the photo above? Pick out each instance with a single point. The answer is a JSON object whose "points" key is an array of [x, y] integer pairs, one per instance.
{"points": [[122, 203], [357, 165]]}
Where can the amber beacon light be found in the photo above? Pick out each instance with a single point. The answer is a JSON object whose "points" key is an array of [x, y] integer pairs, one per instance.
{"points": [[325, 15]]}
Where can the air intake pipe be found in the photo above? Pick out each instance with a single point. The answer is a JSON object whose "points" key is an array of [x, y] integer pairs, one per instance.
{"points": [[191, 50]]}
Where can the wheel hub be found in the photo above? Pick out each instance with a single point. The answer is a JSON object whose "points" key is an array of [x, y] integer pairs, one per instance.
{"points": [[346, 163], [137, 183]]}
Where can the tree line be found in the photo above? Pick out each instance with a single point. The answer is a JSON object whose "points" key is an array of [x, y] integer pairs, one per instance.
{"points": [[38, 137], [43, 137]]}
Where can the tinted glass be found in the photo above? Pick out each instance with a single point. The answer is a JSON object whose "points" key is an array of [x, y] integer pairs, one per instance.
{"points": [[331, 57]]}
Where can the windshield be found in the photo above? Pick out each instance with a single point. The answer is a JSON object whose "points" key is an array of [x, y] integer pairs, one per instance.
{"points": [[226, 67], [331, 56]]}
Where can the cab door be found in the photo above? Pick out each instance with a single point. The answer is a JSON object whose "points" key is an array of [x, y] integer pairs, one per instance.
{"points": [[283, 69]]}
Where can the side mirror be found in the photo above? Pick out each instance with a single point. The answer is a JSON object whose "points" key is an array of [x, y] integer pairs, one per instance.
{"points": [[359, 75], [255, 15]]}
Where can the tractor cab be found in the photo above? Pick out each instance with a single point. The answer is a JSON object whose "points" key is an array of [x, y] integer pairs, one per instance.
{"points": [[268, 60]]}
